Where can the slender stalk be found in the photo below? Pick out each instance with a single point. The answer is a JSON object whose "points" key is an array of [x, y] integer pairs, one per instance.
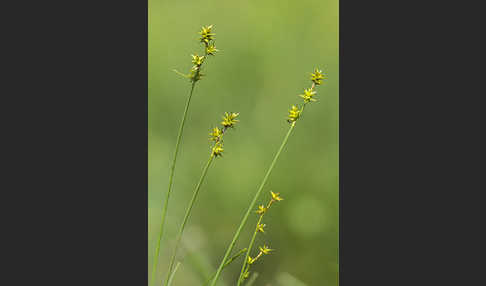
{"points": [[245, 261], [186, 216], [193, 199], [227, 263], [252, 204], [171, 176], [173, 273]]}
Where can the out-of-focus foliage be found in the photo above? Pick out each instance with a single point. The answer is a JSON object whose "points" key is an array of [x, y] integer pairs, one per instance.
{"points": [[267, 50]]}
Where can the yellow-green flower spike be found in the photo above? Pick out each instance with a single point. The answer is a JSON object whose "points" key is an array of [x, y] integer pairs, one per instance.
{"points": [[265, 249], [211, 50], [218, 150], [317, 77], [308, 95], [197, 60], [229, 119], [206, 35], [294, 114], [275, 196], [215, 134], [250, 260], [260, 227], [261, 209]]}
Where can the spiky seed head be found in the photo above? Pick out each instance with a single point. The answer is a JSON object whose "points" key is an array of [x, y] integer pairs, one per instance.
{"points": [[265, 249], [260, 227], [261, 209], [308, 95], [275, 196], [229, 119], [197, 60], [317, 77], [294, 114], [211, 49], [206, 35], [215, 134], [218, 150]]}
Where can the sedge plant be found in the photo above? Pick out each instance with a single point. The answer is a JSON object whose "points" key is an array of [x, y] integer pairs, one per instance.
{"points": [[207, 39], [295, 113], [216, 135]]}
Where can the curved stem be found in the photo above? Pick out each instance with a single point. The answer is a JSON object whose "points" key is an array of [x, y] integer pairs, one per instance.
{"points": [[186, 216], [171, 176], [252, 204]]}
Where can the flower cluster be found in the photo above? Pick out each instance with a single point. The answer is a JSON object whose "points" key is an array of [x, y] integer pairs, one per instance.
{"points": [[206, 35], [263, 250], [217, 149], [294, 113], [308, 95], [211, 50], [318, 76], [207, 38], [260, 227], [229, 119], [197, 60], [216, 135]]}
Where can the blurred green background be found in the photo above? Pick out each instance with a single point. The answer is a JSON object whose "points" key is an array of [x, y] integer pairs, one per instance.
{"points": [[268, 49]]}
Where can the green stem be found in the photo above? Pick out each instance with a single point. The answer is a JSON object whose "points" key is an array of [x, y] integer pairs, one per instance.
{"points": [[173, 273], [227, 263], [186, 216], [252, 204], [245, 261], [171, 176]]}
